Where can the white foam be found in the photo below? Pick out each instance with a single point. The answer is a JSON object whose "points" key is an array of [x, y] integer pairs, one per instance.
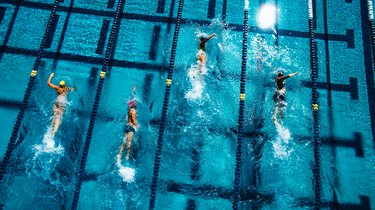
{"points": [[280, 146], [311, 15], [48, 145], [371, 10], [196, 78], [246, 4], [126, 173]]}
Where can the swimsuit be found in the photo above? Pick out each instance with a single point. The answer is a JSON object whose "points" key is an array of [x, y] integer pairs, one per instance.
{"points": [[200, 53], [60, 101], [279, 99], [129, 128]]}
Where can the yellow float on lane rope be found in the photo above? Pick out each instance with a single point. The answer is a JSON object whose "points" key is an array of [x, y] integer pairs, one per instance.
{"points": [[242, 96], [315, 107], [34, 73], [169, 82], [102, 74]]}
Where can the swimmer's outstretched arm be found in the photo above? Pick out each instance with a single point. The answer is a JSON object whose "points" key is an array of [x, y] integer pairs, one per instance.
{"points": [[210, 36], [71, 88], [290, 75], [49, 81]]}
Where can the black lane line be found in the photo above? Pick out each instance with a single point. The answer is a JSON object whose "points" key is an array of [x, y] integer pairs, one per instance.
{"points": [[10, 28], [191, 205], [348, 37], [224, 12], [161, 7], [333, 165], [211, 9], [111, 59], [102, 37], [351, 88], [62, 36], [212, 192], [55, 21], [364, 204], [277, 25], [2, 13], [366, 34], [93, 73], [154, 42], [110, 4], [94, 110], [86, 59]]}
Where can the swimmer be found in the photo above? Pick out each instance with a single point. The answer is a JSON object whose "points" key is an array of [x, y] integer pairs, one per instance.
{"points": [[130, 128], [60, 103], [279, 95], [201, 56]]}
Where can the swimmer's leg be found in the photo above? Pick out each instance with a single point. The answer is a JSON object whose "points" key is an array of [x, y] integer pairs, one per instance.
{"points": [[129, 139], [274, 115], [121, 150], [282, 113], [202, 58], [57, 115]]}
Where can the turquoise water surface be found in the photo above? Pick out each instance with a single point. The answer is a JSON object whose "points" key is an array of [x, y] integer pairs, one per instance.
{"points": [[199, 149]]}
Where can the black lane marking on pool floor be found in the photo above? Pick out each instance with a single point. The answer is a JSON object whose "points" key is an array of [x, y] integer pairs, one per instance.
{"points": [[102, 37], [110, 4], [93, 74], [2, 13], [161, 6], [211, 9], [351, 88], [356, 142], [154, 42], [55, 21], [369, 71], [224, 12], [10, 27], [87, 59], [363, 205], [348, 37], [63, 33]]}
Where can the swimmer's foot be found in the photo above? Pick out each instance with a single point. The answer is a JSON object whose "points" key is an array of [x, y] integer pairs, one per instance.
{"points": [[127, 157], [275, 121], [118, 158]]}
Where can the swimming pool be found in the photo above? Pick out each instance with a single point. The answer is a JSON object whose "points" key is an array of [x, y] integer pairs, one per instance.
{"points": [[198, 162]]}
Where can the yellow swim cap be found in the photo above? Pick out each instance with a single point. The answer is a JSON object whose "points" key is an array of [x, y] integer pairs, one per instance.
{"points": [[62, 83]]}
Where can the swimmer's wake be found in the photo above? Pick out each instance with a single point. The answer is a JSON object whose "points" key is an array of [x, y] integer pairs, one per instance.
{"points": [[196, 77], [125, 172], [280, 146], [48, 145]]}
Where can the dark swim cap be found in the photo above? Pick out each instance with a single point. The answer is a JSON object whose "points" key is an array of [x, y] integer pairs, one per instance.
{"points": [[280, 74]]}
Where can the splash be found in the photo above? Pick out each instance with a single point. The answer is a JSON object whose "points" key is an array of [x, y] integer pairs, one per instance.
{"points": [[196, 76], [280, 146], [49, 145], [125, 172]]}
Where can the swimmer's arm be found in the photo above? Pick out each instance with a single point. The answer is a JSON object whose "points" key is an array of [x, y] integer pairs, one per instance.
{"points": [[71, 88], [210, 36], [290, 75], [49, 82]]}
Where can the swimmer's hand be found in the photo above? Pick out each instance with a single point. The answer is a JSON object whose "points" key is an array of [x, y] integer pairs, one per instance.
{"points": [[293, 74], [51, 75]]}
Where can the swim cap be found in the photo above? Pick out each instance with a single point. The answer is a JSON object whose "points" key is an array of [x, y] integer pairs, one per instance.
{"points": [[131, 104], [280, 74], [62, 83]]}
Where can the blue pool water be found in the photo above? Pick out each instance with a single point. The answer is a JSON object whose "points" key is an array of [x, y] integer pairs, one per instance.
{"points": [[199, 149]]}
